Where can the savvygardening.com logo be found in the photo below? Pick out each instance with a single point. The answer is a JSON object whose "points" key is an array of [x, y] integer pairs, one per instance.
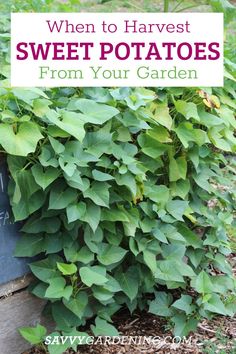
{"points": [[119, 340]]}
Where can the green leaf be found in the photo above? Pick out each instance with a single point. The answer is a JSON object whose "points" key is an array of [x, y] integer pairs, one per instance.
{"points": [[184, 269], [131, 226], [150, 260], [98, 193], [162, 116], [224, 6], [69, 338], [139, 97], [180, 188], [93, 275], [78, 304], [57, 132], [111, 285], [158, 234], [64, 318], [159, 194], [128, 283], [114, 215], [123, 134], [109, 254], [34, 335], [166, 270], [29, 246], [25, 186], [92, 216], [70, 122], [68, 166], [40, 106], [44, 178], [160, 134], [208, 119], [98, 142], [27, 95], [215, 305], [57, 347], [102, 294], [67, 269], [73, 123], [184, 304], [196, 256], [191, 238], [101, 176], [60, 197], [174, 251], [96, 113], [184, 326], [151, 147], [203, 283], [218, 139], [177, 208], [46, 268], [39, 289], [187, 109], [227, 115], [47, 157], [53, 243], [92, 239], [56, 145], [75, 211], [187, 133], [161, 305], [177, 169], [20, 142], [75, 181], [103, 328], [58, 289], [36, 225], [85, 255], [127, 180]]}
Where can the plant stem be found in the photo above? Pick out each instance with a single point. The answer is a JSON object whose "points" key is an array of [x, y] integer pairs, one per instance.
{"points": [[135, 6], [176, 7], [27, 165], [187, 7], [166, 5], [43, 346]]}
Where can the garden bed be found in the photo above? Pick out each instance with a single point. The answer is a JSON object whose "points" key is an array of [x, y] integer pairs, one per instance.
{"points": [[216, 336], [211, 337]]}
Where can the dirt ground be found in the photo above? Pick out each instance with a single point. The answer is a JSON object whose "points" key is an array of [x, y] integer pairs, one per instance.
{"points": [[217, 336], [211, 337]]}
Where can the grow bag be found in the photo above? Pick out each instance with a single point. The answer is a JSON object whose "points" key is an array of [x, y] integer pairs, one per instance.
{"points": [[10, 266]]}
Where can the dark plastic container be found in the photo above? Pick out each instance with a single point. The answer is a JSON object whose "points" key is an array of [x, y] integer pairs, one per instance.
{"points": [[10, 266]]}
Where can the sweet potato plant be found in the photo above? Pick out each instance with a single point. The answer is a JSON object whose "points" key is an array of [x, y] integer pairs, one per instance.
{"points": [[125, 196]]}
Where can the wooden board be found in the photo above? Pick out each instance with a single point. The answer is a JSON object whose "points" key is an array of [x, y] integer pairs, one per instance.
{"points": [[20, 309], [15, 285]]}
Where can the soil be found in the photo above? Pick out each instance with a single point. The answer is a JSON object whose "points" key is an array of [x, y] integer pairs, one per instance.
{"points": [[216, 336], [211, 337]]}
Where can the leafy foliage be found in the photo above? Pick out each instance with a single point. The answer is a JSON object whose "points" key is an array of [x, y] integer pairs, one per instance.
{"points": [[124, 209], [127, 195], [33, 335]]}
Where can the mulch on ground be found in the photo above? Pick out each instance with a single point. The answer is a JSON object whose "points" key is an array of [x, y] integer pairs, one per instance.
{"points": [[215, 336], [211, 337]]}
